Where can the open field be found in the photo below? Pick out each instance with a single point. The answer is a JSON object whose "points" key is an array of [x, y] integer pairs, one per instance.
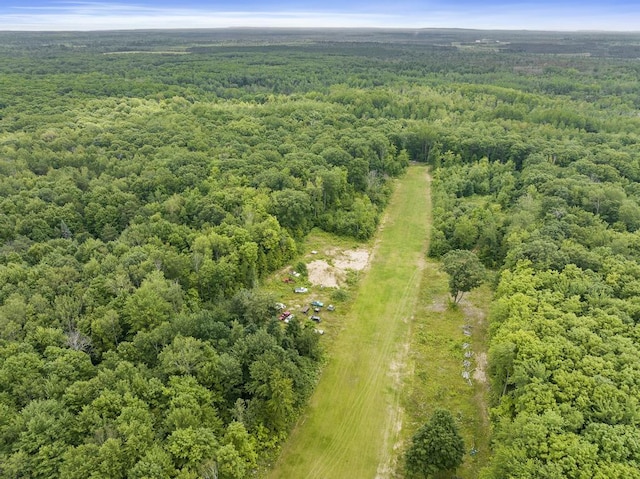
{"points": [[436, 361], [354, 417]]}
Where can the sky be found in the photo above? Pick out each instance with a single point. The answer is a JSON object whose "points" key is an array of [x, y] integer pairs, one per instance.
{"points": [[564, 15]]}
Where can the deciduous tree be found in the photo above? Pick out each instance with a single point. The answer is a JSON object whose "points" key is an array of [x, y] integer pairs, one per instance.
{"points": [[465, 272], [436, 447]]}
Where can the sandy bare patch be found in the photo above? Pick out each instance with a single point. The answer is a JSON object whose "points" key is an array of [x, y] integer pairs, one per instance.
{"points": [[321, 273], [476, 316], [481, 367], [471, 312], [352, 259]]}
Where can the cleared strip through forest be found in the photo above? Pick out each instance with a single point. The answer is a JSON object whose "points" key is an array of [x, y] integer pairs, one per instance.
{"points": [[354, 417]]}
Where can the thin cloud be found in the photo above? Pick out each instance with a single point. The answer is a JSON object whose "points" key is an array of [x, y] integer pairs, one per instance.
{"points": [[173, 19], [85, 16]]}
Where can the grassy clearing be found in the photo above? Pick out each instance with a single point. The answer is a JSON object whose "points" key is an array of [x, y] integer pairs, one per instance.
{"points": [[437, 355], [320, 241], [354, 418]]}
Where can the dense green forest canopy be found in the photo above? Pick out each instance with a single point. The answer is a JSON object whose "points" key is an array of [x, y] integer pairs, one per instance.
{"points": [[149, 180]]}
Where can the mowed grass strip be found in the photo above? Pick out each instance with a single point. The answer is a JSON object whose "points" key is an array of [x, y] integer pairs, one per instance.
{"points": [[352, 421]]}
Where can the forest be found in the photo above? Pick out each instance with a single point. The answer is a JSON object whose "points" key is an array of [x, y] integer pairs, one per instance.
{"points": [[149, 181]]}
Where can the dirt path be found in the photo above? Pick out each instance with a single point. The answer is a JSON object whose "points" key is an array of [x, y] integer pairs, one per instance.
{"points": [[354, 418], [476, 316]]}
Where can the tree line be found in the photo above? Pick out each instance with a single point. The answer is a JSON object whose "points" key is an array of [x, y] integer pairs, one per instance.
{"points": [[558, 222], [143, 197]]}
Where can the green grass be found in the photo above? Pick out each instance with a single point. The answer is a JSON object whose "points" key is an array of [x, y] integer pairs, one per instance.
{"points": [[353, 419], [436, 360], [394, 355]]}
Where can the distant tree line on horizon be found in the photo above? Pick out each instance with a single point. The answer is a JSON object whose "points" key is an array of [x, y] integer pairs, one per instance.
{"points": [[144, 196]]}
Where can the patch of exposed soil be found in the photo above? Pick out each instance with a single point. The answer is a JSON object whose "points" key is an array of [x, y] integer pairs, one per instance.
{"points": [[321, 273], [471, 312], [476, 318], [352, 259], [481, 367], [439, 305]]}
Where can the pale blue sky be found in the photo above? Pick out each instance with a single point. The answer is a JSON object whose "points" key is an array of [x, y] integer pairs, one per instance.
{"points": [[570, 15]]}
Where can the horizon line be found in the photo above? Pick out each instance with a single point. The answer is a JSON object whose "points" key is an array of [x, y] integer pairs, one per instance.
{"points": [[103, 15], [309, 28]]}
